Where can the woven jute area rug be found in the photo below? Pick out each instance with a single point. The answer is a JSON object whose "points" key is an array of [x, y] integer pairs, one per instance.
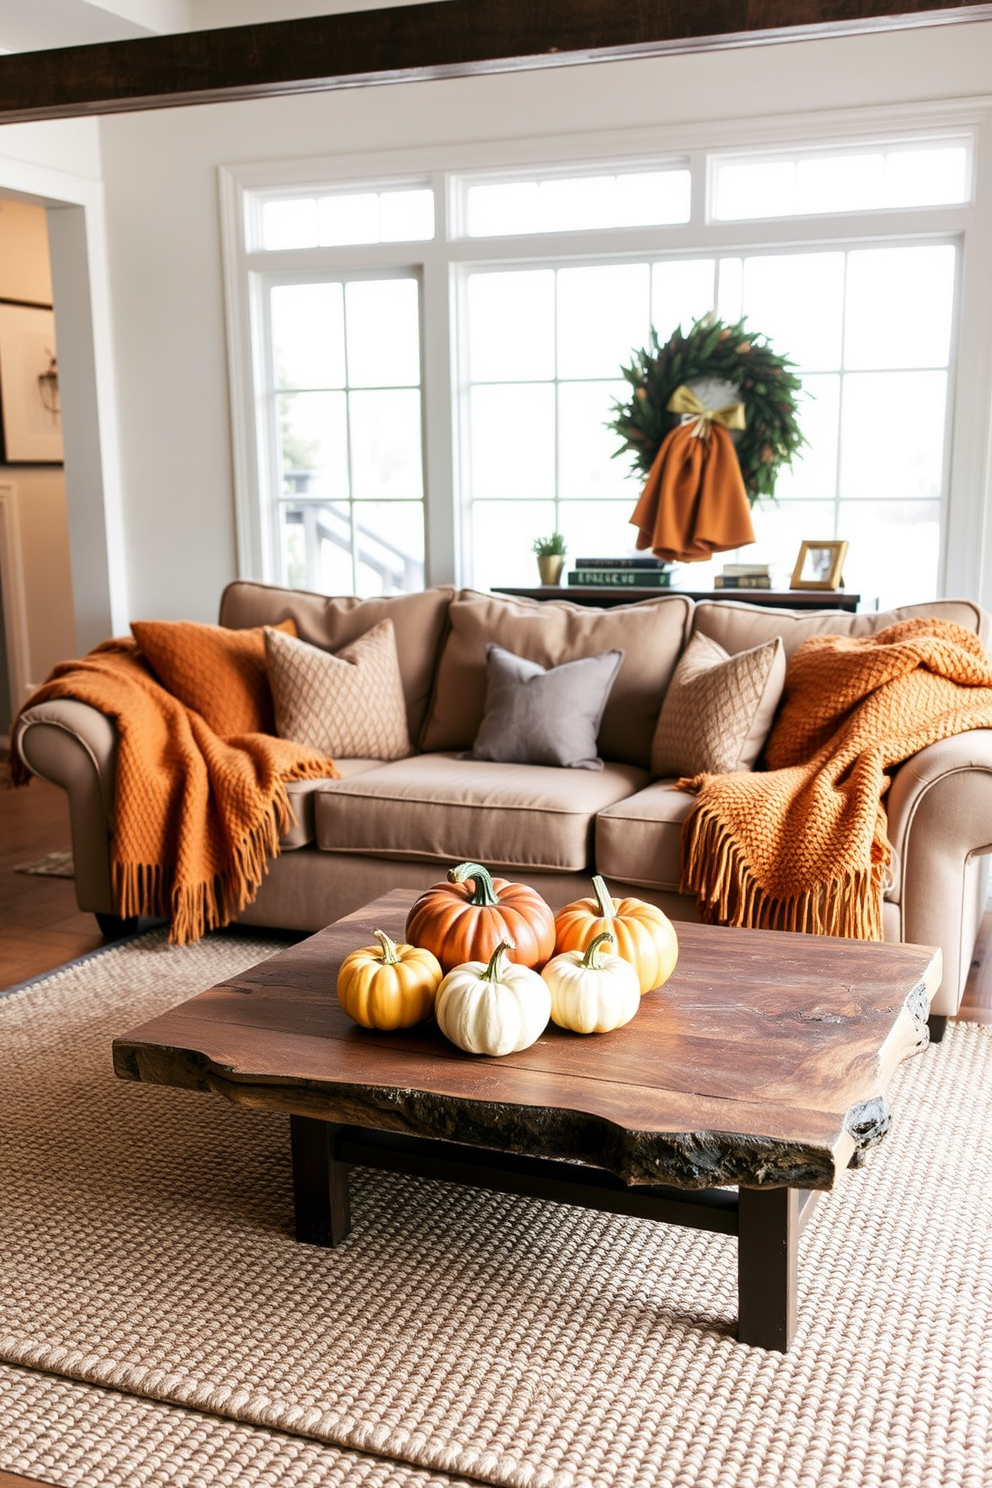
{"points": [[146, 1248]]}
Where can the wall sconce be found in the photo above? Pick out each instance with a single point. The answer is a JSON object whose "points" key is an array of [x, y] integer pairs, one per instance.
{"points": [[48, 386]]}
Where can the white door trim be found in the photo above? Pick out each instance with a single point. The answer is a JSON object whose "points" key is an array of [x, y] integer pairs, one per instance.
{"points": [[15, 612]]}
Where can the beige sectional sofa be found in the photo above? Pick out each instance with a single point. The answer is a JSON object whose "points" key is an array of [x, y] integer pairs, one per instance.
{"points": [[399, 824]]}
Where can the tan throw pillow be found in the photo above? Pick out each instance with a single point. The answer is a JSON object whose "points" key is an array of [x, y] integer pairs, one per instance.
{"points": [[719, 709], [350, 704]]}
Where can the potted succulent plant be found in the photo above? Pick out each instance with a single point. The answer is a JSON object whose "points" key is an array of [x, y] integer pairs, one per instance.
{"points": [[550, 557]]}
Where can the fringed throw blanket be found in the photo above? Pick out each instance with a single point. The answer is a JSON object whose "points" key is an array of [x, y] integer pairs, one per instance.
{"points": [[803, 846], [197, 815]]}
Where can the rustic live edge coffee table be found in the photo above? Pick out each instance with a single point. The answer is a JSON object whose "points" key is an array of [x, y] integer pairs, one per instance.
{"points": [[762, 1065]]}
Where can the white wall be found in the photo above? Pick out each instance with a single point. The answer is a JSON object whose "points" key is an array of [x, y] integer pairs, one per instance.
{"points": [[164, 243]]}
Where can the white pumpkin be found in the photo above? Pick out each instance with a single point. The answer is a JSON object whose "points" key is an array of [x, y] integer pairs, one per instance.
{"points": [[592, 992], [496, 1009]]}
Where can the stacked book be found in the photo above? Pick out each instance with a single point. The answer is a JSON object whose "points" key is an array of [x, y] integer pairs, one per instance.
{"points": [[744, 576], [646, 573]]}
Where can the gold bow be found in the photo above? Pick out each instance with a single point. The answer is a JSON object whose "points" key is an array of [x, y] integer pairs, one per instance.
{"points": [[684, 400]]}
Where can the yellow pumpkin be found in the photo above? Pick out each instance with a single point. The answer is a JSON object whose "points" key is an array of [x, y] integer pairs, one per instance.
{"points": [[643, 934], [388, 985]]}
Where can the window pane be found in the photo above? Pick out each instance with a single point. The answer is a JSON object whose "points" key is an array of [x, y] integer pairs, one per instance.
{"points": [[730, 287], [682, 292], [511, 326], [389, 547], [383, 317], [649, 197], [895, 551], [316, 547], [313, 444], [585, 445], [308, 335], [926, 178], [503, 533], [765, 188], [406, 216], [602, 314], [839, 183], [349, 219], [814, 472], [290, 224], [513, 440], [899, 306], [586, 201], [385, 445], [892, 440], [500, 209], [599, 529], [797, 301], [780, 529]]}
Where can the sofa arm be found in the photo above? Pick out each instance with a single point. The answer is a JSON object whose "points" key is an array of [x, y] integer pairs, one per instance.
{"points": [[939, 810], [73, 745]]}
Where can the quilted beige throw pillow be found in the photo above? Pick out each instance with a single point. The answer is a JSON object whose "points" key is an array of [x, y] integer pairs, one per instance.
{"points": [[718, 709], [347, 704]]}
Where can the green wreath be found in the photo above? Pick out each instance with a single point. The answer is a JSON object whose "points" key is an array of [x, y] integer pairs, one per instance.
{"points": [[765, 385]]}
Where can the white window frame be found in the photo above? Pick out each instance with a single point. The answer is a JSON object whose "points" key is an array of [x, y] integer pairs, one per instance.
{"points": [[966, 552]]}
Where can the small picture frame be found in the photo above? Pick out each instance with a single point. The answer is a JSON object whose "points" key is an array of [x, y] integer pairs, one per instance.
{"points": [[820, 565]]}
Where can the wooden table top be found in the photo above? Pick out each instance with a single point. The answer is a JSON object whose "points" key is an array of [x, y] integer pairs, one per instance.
{"points": [[763, 1061]]}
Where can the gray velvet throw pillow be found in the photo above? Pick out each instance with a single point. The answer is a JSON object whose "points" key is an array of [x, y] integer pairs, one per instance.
{"points": [[539, 717]]}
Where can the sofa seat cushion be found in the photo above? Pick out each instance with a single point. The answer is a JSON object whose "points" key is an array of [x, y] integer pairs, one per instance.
{"points": [[437, 808], [303, 793], [639, 840]]}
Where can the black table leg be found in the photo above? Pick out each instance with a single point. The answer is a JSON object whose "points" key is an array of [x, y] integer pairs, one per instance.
{"points": [[767, 1264], [320, 1183]]}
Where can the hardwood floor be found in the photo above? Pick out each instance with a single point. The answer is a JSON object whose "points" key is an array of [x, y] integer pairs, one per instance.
{"points": [[40, 926]]}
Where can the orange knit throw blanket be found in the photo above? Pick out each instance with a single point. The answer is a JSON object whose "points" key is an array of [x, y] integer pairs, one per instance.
{"points": [[803, 846], [197, 816]]}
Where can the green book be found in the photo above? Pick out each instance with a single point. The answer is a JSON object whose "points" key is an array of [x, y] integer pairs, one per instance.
{"points": [[627, 578]]}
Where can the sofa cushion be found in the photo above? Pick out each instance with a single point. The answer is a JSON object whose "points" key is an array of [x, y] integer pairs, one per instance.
{"points": [[544, 716], [651, 635], [302, 794], [639, 840], [437, 808], [348, 703], [332, 622], [718, 710], [218, 672], [738, 626]]}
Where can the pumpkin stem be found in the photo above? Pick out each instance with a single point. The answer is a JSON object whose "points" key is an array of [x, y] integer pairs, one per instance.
{"points": [[389, 956], [591, 958], [604, 899], [483, 893], [493, 971]]}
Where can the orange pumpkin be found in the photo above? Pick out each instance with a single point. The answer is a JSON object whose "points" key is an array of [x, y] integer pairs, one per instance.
{"points": [[388, 986], [465, 919], [644, 935]]}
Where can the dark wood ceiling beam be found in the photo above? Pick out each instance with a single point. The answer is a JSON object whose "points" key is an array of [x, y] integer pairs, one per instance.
{"points": [[455, 38]]}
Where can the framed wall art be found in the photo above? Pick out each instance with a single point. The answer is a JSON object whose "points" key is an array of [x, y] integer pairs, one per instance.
{"points": [[820, 565], [29, 391]]}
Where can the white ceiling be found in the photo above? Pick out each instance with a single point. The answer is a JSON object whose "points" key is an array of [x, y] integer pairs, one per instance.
{"points": [[34, 25]]}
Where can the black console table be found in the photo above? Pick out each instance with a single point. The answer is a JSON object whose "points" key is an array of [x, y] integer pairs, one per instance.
{"points": [[605, 596]]}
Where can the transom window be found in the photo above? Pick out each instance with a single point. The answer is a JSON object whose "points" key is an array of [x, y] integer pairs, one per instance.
{"points": [[436, 357]]}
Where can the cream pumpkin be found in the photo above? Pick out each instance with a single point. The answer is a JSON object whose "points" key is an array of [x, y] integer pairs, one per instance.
{"points": [[499, 1008], [592, 992]]}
